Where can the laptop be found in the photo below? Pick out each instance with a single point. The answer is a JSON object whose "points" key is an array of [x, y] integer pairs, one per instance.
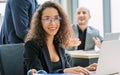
{"points": [[112, 36], [109, 62]]}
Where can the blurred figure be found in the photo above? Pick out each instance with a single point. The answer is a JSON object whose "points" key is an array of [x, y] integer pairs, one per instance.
{"points": [[18, 14], [44, 47], [88, 36]]}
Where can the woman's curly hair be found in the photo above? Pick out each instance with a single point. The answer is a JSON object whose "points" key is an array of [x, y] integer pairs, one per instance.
{"points": [[37, 32]]}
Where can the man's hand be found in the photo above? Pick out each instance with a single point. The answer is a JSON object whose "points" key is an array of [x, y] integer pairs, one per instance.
{"points": [[97, 42]]}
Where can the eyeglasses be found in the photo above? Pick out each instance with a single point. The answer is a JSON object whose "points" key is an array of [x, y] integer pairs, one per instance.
{"points": [[48, 20]]}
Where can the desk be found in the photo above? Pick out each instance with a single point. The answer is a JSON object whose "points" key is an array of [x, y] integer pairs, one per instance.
{"points": [[84, 58]]}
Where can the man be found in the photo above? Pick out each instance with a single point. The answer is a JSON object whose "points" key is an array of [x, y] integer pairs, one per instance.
{"points": [[16, 23], [88, 36]]}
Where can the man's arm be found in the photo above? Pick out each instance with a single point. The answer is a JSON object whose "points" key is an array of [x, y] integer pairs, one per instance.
{"points": [[20, 13]]}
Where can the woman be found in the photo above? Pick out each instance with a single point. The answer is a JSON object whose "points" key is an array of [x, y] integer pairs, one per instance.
{"points": [[49, 35]]}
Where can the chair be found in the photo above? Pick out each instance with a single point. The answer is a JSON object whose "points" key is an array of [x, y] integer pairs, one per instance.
{"points": [[11, 59]]}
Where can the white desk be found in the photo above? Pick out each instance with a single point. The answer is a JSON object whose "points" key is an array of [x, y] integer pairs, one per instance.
{"points": [[83, 58], [84, 54]]}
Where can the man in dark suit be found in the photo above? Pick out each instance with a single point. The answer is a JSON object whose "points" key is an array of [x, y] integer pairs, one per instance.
{"points": [[16, 23], [88, 36]]}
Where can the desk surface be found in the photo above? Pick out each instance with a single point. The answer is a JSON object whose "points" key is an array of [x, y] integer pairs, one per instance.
{"points": [[84, 54]]}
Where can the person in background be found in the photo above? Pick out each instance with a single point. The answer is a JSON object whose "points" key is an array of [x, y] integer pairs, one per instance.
{"points": [[16, 23], [46, 42], [87, 35]]}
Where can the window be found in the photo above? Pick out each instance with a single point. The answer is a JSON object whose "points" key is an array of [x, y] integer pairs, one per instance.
{"points": [[96, 11], [115, 16], [2, 10], [41, 1]]}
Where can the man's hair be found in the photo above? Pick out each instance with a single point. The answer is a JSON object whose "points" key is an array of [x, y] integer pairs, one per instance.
{"points": [[83, 8]]}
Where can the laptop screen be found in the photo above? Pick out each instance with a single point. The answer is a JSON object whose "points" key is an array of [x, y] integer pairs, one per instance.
{"points": [[109, 62]]}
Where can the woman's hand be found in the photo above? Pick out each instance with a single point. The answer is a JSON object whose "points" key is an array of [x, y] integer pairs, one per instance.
{"points": [[92, 67], [77, 70], [73, 42]]}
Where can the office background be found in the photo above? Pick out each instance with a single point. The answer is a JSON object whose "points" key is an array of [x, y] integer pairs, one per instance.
{"points": [[104, 13]]}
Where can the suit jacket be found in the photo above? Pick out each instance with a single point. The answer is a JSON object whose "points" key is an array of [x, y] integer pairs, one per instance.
{"points": [[18, 14], [36, 57], [91, 32]]}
